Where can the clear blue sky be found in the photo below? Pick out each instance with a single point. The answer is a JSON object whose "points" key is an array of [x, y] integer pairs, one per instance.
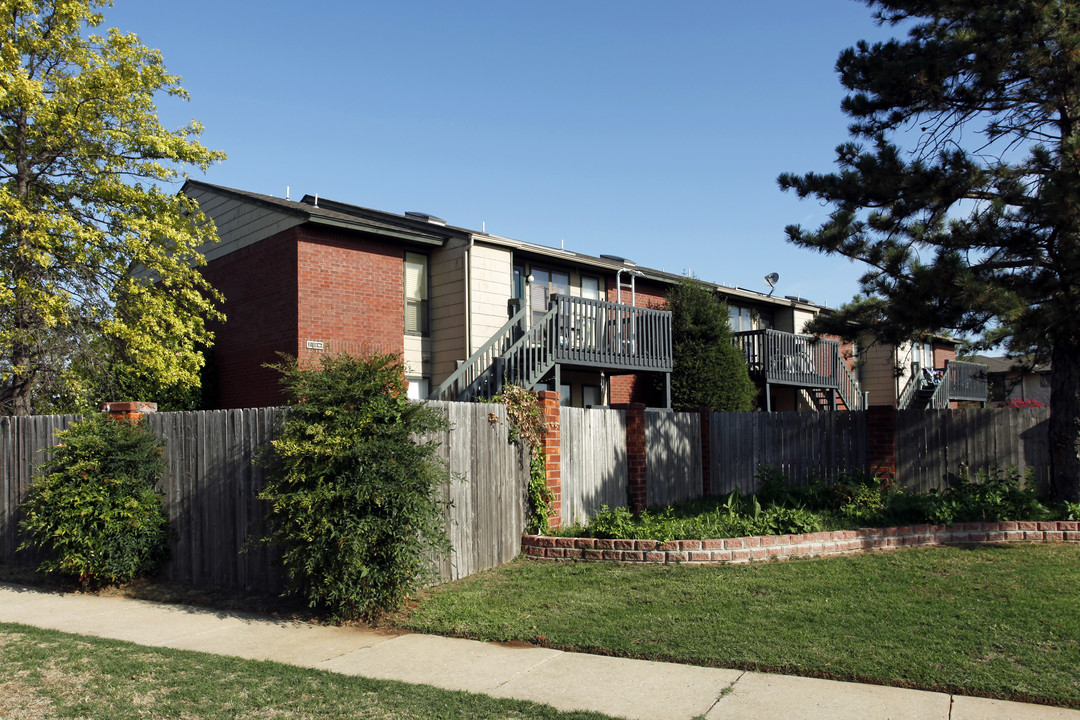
{"points": [[650, 130]]}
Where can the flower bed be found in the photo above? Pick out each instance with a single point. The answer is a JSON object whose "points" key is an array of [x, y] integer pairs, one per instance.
{"points": [[766, 547]]}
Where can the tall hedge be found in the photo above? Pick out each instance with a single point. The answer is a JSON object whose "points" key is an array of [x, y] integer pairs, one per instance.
{"points": [[709, 371], [355, 495]]}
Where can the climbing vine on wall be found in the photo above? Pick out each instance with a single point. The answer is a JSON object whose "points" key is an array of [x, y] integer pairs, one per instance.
{"points": [[527, 425]]}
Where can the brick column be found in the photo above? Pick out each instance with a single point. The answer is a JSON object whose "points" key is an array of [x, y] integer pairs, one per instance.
{"points": [[132, 411], [552, 448], [881, 437], [636, 490]]}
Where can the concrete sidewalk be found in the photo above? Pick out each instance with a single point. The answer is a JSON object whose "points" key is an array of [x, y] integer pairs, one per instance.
{"points": [[568, 681]]}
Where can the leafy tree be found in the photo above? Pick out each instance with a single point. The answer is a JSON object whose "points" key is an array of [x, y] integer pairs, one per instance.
{"points": [[354, 496], [94, 510], [972, 225], [81, 151], [709, 371]]}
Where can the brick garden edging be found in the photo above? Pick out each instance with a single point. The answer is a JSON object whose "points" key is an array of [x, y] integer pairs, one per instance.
{"points": [[764, 547]]}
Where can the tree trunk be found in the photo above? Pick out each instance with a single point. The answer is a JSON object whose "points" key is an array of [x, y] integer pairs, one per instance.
{"points": [[1065, 421]]}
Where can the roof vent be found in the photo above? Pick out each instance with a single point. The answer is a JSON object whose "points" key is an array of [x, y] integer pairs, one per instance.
{"points": [[424, 217], [616, 258]]}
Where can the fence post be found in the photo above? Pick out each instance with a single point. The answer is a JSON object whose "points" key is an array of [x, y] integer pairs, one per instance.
{"points": [[132, 411], [636, 490], [881, 432], [552, 448]]}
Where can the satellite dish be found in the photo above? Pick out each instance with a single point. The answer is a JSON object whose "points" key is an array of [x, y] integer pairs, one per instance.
{"points": [[771, 279]]}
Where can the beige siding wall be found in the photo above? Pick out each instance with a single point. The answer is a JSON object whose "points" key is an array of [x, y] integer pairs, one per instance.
{"points": [[802, 317], [418, 361], [490, 277], [879, 371], [447, 309], [791, 320], [239, 223]]}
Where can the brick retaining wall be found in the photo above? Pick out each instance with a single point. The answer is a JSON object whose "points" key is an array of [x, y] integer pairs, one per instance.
{"points": [[764, 547]]}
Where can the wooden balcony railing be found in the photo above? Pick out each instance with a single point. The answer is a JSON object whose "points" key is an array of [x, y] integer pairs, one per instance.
{"points": [[574, 331], [780, 358], [601, 334]]}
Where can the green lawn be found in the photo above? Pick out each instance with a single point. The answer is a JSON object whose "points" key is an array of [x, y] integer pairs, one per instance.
{"points": [[1002, 621], [48, 674]]}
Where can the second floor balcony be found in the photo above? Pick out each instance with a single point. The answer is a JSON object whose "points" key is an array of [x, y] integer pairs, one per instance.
{"points": [[774, 357], [572, 332]]}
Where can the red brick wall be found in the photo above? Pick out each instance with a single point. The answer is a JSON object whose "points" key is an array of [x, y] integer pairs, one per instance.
{"points": [[350, 294], [259, 285], [943, 352], [637, 388], [299, 285], [881, 430]]}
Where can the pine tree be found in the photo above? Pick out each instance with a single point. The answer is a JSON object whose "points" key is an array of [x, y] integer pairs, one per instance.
{"points": [[709, 371], [961, 188]]}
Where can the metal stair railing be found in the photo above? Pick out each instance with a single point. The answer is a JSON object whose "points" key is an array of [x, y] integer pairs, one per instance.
{"points": [[475, 376], [914, 384], [940, 399], [850, 393], [527, 361]]}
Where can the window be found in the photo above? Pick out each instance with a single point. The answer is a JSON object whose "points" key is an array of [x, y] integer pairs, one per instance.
{"points": [[545, 284], [590, 288], [518, 290], [742, 318], [418, 388], [924, 355], [591, 396], [416, 293]]}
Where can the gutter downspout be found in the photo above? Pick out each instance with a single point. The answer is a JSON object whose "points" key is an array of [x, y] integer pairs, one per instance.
{"points": [[468, 296]]}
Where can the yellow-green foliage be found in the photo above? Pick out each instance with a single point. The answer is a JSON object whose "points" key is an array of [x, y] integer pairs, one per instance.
{"points": [[94, 512], [82, 155]]}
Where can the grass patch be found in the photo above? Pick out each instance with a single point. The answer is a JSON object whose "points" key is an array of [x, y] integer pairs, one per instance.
{"points": [[998, 621], [48, 674]]}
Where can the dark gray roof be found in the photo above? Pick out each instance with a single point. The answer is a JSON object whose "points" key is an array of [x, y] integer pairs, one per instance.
{"points": [[329, 212], [1007, 365]]}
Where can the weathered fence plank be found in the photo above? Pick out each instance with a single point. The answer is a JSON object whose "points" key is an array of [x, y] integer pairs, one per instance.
{"points": [[593, 461], [799, 445], [490, 477], [934, 443], [673, 457]]}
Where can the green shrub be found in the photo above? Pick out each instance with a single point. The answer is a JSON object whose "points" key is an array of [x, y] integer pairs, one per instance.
{"points": [[94, 511], [355, 497], [989, 495]]}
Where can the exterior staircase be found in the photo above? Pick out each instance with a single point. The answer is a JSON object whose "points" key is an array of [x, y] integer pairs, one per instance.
{"points": [[811, 364], [935, 390], [586, 334]]}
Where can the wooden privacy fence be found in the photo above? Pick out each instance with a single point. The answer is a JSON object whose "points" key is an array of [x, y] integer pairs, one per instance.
{"points": [[799, 444], [933, 443], [24, 444], [594, 462], [212, 482], [488, 489], [672, 457]]}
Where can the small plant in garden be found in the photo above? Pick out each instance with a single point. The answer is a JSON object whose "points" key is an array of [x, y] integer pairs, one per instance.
{"points": [[93, 511], [988, 495], [354, 491], [527, 425]]}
